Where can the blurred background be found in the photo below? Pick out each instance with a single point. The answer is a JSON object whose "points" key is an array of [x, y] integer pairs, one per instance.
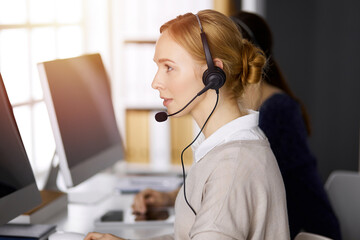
{"points": [[316, 46]]}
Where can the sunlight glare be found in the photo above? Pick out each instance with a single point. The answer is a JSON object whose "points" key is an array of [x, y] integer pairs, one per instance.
{"points": [[70, 40], [43, 45], [44, 140], [13, 12], [42, 11], [69, 11], [14, 56]]}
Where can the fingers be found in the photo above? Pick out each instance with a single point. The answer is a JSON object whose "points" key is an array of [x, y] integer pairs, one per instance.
{"points": [[139, 205], [143, 200], [101, 236], [93, 236], [150, 198]]}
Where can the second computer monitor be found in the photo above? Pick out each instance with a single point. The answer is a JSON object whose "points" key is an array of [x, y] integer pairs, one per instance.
{"points": [[18, 189], [77, 93]]}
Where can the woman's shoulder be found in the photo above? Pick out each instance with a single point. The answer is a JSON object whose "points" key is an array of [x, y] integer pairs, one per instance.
{"points": [[250, 160], [242, 152], [279, 99], [279, 106], [241, 147]]}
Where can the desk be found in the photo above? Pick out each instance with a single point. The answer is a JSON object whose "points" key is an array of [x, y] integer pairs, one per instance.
{"points": [[81, 217]]}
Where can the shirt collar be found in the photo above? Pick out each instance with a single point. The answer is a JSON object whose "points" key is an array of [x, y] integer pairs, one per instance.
{"points": [[242, 128]]}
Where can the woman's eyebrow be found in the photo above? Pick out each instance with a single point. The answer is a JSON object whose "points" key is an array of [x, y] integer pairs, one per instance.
{"points": [[161, 60]]}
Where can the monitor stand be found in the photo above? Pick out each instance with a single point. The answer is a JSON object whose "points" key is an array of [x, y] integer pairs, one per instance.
{"points": [[91, 191], [84, 193]]}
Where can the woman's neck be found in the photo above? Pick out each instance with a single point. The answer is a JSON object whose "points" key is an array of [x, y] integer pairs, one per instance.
{"points": [[267, 91], [226, 111], [255, 95]]}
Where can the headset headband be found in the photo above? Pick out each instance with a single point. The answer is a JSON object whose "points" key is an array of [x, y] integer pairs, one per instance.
{"points": [[208, 56]]}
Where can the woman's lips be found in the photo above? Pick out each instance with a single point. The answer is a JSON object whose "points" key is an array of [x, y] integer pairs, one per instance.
{"points": [[166, 101]]}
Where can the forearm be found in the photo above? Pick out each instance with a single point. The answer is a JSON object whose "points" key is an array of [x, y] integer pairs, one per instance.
{"points": [[164, 237]]}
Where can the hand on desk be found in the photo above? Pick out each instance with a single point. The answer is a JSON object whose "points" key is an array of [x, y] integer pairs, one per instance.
{"points": [[149, 198], [101, 236], [143, 202]]}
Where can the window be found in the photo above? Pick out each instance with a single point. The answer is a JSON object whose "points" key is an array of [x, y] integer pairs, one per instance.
{"points": [[33, 31]]}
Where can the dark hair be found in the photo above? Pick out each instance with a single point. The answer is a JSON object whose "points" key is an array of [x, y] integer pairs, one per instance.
{"points": [[254, 28]]}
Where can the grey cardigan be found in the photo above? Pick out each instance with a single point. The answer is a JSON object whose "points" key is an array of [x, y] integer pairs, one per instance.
{"points": [[237, 192]]}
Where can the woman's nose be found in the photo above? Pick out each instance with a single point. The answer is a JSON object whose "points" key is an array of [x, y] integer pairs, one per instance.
{"points": [[156, 83]]}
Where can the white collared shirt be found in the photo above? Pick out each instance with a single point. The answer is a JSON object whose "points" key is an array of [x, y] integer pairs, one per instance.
{"points": [[242, 128]]}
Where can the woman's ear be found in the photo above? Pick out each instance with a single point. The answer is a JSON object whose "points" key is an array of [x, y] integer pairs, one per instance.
{"points": [[218, 63]]}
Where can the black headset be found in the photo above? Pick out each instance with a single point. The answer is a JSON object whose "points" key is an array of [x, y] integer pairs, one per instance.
{"points": [[214, 77]]}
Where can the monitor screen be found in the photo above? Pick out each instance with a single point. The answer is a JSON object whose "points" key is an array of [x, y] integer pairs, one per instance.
{"points": [[77, 93], [17, 181]]}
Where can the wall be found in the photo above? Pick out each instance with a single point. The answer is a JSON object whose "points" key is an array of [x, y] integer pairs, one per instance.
{"points": [[317, 47]]}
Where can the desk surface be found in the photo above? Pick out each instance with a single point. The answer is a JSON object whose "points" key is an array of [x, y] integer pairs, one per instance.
{"points": [[81, 217]]}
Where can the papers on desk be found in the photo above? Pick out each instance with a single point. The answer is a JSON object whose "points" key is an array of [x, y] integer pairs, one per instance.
{"points": [[134, 184]]}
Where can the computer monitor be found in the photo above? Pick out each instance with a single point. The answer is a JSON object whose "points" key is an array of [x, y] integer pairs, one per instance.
{"points": [[18, 189], [77, 94]]}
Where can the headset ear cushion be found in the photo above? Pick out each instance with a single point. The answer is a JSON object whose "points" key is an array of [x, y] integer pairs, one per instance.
{"points": [[216, 77]]}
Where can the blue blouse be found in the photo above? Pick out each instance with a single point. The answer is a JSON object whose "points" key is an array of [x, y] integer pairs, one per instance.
{"points": [[309, 208]]}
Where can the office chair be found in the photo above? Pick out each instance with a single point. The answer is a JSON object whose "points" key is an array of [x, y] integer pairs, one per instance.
{"points": [[343, 188], [310, 236]]}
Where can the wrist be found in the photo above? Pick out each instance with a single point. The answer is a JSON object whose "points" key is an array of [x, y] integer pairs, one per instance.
{"points": [[172, 197], [167, 199]]}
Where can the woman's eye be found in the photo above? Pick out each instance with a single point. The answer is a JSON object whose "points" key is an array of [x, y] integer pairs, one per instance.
{"points": [[168, 68]]}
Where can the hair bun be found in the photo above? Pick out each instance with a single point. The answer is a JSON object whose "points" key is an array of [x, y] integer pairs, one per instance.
{"points": [[253, 61]]}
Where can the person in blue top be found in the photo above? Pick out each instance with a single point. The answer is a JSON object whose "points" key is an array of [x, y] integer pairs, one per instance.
{"points": [[284, 121]]}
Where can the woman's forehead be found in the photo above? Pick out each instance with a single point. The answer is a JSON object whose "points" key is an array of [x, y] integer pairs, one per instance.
{"points": [[167, 48]]}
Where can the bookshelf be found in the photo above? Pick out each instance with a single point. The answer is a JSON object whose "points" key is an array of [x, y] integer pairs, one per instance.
{"points": [[158, 144], [137, 136], [182, 134]]}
